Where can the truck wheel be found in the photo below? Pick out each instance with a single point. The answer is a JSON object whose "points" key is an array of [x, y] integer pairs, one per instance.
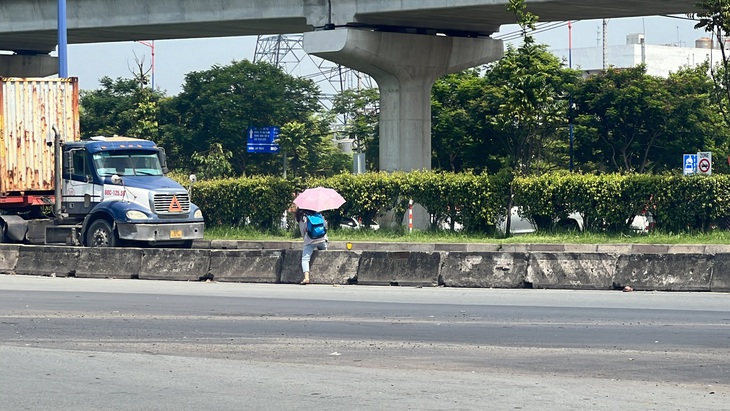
{"points": [[101, 234]]}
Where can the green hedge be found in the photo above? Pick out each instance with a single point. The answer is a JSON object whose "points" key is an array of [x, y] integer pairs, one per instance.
{"points": [[609, 202], [475, 201], [256, 201]]}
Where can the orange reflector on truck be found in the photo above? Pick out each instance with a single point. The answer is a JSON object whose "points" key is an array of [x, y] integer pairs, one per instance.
{"points": [[175, 206]]}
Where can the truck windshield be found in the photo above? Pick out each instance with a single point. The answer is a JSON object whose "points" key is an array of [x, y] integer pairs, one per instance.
{"points": [[127, 163]]}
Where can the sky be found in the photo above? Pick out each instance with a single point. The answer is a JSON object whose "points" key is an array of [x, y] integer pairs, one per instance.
{"points": [[175, 58]]}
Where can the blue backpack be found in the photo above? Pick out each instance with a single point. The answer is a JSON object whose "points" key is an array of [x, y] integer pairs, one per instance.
{"points": [[315, 226]]}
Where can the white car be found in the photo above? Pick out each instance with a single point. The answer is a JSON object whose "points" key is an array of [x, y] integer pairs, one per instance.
{"points": [[643, 223], [356, 224], [522, 225]]}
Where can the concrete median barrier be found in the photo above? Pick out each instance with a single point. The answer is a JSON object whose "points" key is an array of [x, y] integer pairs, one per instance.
{"points": [[57, 261], [583, 267], [721, 273], [484, 269], [399, 268], [665, 272], [571, 270], [325, 267], [251, 266], [174, 264], [8, 258], [109, 262]]}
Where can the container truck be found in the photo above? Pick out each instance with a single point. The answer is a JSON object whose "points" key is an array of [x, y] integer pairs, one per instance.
{"points": [[99, 192]]}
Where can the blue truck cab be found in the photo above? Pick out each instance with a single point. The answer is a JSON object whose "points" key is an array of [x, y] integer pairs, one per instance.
{"points": [[117, 190]]}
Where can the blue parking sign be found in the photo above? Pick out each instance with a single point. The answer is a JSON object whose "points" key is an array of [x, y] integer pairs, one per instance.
{"points": [[689, 162]]}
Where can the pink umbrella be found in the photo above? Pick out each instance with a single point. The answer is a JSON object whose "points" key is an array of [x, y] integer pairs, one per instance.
{"points": [[319, 199]]}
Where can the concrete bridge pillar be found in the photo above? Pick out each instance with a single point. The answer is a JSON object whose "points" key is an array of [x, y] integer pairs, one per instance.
{"points": [[405, 67], [21, 65]]}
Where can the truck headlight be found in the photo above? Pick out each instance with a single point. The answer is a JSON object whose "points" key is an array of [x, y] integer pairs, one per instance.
{"points": [[137, 215], [198, 214]]}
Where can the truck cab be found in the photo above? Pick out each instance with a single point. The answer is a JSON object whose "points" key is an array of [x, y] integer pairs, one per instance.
{"points": [[117, 190]]}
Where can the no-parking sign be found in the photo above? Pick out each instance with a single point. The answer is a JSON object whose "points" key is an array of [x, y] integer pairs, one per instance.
{"points": [[704, 163]]}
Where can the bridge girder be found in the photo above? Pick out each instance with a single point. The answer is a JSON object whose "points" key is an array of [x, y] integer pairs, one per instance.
{"points": [[30, 25]]}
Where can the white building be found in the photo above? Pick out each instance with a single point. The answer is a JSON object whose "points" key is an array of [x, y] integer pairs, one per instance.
{"points": [[660, 60]]}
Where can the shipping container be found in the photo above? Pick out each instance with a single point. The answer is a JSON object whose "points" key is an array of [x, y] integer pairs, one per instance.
{"points": [[29, 108]]}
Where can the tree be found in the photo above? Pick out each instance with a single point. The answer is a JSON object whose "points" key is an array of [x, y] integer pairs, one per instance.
{"points": [[218, 106], [523, 102], [310, 149], [361, 110], [525, 106], [460, 140], [215, 163], [697, 119], [120, 107], [629, 121], [714, 18]]}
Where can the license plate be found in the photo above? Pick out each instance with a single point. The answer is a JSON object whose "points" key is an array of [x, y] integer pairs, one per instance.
{"points": [[175, 233]]}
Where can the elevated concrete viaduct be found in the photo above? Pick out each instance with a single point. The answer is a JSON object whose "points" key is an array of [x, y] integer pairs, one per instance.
{"points": [[405, 45]]}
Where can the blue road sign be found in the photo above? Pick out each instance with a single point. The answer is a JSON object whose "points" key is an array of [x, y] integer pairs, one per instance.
{"points": [[261, 140], [689, 162], [262, 148]]}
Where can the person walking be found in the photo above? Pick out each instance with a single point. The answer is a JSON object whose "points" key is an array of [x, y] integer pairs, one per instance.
{"points": [[314, 232]]}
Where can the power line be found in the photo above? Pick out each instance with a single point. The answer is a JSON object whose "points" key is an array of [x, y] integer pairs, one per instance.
{"points": [[540, 28]]}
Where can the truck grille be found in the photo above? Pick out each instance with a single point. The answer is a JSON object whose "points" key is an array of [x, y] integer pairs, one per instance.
{"points": [[172, 203]]}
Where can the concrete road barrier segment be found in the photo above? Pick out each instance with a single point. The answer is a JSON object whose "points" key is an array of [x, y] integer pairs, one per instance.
{"points": [[46, 260], [485, 269], [174, 264], [8, 258], [721, 273], [109, 262], [399, 268], [571, 270], [665, 272], [250, 266], [325, 267]]}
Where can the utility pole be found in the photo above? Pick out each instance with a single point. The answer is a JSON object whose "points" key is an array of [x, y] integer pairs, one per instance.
{"points": [[605, 44], [570, 103]]}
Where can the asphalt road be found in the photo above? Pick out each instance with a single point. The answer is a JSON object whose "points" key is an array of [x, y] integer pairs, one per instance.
{"points": [[86, 344]]}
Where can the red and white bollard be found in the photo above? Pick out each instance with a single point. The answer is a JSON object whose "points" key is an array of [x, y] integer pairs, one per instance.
{"points": [[410, 216]]}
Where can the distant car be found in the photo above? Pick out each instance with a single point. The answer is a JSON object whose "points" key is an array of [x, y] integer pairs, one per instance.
{"points": [[445, 224], [643, 223], [354, 223], [522, 225]]}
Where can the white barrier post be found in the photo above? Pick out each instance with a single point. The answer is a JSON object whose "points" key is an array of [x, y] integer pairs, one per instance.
{"points": [[410, 216]]}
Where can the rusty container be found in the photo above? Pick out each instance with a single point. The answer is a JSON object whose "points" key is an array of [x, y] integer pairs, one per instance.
{"points": [[29, 108]]}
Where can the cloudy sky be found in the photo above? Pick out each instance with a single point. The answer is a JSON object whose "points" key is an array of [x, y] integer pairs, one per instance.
{"points": [[175, 58]]}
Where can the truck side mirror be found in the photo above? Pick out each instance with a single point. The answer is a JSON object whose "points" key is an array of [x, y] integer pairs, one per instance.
{"points": [[163, 160]]}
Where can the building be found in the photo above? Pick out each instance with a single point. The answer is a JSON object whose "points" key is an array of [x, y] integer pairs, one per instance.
{"points": [[660, 60]]}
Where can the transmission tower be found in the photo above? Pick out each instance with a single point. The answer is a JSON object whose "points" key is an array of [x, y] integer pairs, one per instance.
{"points": [[286, 51]]}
